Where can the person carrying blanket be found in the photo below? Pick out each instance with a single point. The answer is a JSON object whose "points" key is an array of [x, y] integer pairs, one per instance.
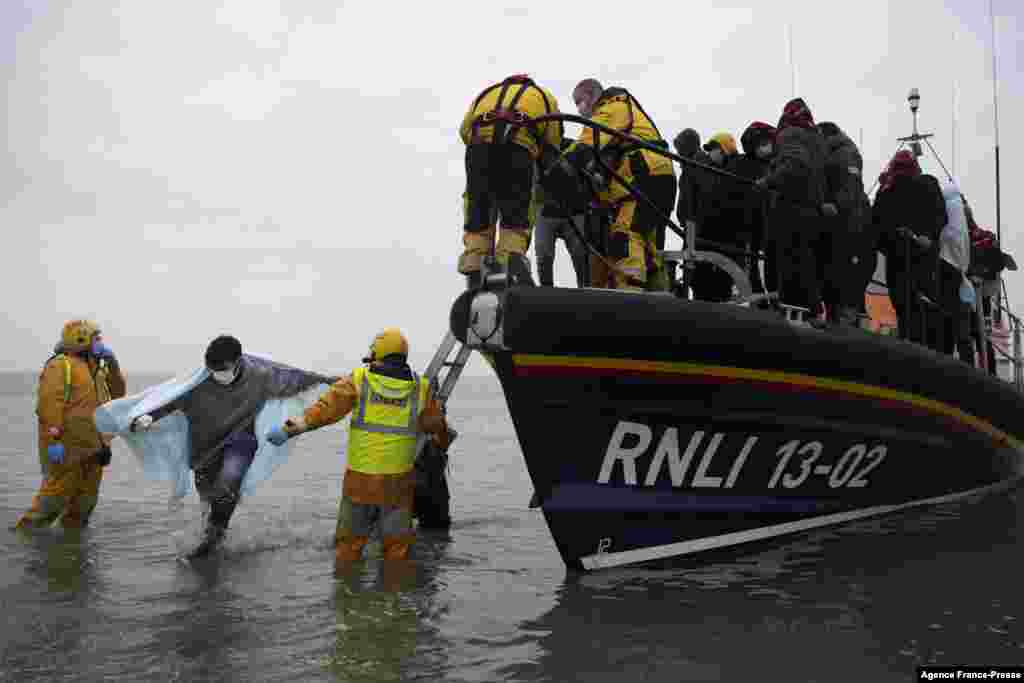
{"points": [[214, 423]]}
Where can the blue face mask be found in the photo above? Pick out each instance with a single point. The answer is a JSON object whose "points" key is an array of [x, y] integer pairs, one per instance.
{"points": [[99, 349]]}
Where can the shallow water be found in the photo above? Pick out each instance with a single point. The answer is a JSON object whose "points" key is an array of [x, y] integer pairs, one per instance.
{"points": [[488, 601]]}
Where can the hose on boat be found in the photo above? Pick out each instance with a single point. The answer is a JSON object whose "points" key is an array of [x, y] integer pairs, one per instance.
{"points": [[636, 193]]}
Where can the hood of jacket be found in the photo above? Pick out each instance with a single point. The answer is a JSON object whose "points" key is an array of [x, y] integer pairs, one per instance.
{"points": [[838, 141]]}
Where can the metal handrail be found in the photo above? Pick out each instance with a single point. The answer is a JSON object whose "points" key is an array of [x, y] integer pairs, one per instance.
{"points": [[985, 333]]}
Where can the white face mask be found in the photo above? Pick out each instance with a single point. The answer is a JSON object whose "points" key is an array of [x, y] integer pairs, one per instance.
{"points": [[765, 150], [717, 156], [225, 377]]}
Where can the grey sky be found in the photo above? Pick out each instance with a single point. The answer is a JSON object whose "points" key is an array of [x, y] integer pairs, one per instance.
{"points": [[290, 172]]}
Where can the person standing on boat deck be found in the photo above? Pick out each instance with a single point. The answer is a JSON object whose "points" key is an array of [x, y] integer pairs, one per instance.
{"points": [[798, 174], [557, 216], [502, 148], [848, 256], [954, 261], [393, 406], [221, 411], [908, 214], [720, 216], [637, 231], [695, 184], [82, 374], [758, 142]]}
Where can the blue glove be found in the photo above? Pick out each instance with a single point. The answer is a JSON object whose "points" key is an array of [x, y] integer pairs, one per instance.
{"points": [[101, 350], [278, 436], [55, 453]]}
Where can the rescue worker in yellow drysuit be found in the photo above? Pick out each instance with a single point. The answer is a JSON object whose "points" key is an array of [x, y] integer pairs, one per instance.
{"points": [[502, 150], [82, 375], [637, 231], [393, 406]]}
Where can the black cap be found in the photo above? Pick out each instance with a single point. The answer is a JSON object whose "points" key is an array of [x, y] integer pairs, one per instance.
{"points": [[222, 351]]}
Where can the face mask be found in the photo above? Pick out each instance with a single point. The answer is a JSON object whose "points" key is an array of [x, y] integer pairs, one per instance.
{"points": [[717, 156], [225, 377], [765, 150], [99, 349], [583, 106]]}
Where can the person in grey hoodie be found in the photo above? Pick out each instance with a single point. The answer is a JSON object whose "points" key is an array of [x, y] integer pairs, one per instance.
{"points": [[221, 413], [798, 177]]}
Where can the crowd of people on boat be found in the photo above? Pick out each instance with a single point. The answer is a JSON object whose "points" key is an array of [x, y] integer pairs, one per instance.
{"points": [[788, 204]]}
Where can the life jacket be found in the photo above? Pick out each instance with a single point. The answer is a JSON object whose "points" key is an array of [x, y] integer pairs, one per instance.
{"points": [[99, 378], [613, 152], [506, 119], [382, 435]]}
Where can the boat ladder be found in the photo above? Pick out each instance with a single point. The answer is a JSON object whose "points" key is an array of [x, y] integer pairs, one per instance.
{"points": [[451, 357]]}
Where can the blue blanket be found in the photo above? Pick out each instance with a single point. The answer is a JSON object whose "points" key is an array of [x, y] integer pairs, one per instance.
{"points": [[163, 450]]}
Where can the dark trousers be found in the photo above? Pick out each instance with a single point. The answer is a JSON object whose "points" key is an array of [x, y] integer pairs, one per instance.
{"points": [[220, 480], [956, 332], [499, 178], [797, 237], [846, 262], [918, 322]]}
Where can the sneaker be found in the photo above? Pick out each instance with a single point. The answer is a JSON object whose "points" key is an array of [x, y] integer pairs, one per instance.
{"points": [[212, 538]]}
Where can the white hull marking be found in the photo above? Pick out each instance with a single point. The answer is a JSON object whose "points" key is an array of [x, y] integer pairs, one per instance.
{"points": [[604, 560]]}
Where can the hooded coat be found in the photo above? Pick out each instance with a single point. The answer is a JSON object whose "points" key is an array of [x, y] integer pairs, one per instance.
{"points": [[798, 176], [844, 171]]}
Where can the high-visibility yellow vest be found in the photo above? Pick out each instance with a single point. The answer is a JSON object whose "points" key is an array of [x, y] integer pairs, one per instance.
{"points": [[382, 436]]}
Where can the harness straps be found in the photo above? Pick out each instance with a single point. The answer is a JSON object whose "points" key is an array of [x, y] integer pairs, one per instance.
{"points": [[507, 119], [619, 147]]}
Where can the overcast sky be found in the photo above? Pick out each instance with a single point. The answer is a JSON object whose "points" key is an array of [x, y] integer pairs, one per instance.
{"points": [[290, 172]]}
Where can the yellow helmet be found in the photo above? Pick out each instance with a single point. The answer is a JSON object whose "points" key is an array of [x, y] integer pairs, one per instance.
{"points": [[77, 334], [724, 140], [388, 341]]}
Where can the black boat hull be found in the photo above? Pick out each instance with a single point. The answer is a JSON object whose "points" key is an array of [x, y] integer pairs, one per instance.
{"points": [[656, 428]]}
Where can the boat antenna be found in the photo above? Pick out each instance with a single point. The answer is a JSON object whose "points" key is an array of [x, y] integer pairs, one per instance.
{"points": [[995, 116], [952, 109], [914, 141], [792, 64]]}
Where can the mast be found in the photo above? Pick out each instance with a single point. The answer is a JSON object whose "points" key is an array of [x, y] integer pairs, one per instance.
{"points": [[995, 116], [952, 109], [792, 64]]}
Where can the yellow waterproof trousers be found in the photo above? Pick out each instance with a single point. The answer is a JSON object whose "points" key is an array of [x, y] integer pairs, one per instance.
{"points": [[69, 491]]}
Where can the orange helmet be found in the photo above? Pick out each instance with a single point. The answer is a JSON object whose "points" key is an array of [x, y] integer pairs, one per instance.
{"points": [[77, 334]]}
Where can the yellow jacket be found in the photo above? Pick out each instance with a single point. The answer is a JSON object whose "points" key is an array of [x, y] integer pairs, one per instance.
{"points": [[70, 389], [534, 101], [618, 110], [373, 489]]}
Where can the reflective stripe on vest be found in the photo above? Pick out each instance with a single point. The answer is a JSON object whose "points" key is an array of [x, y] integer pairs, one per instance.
{"points": [[375, 447], [365, 390], [67, 377]]}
